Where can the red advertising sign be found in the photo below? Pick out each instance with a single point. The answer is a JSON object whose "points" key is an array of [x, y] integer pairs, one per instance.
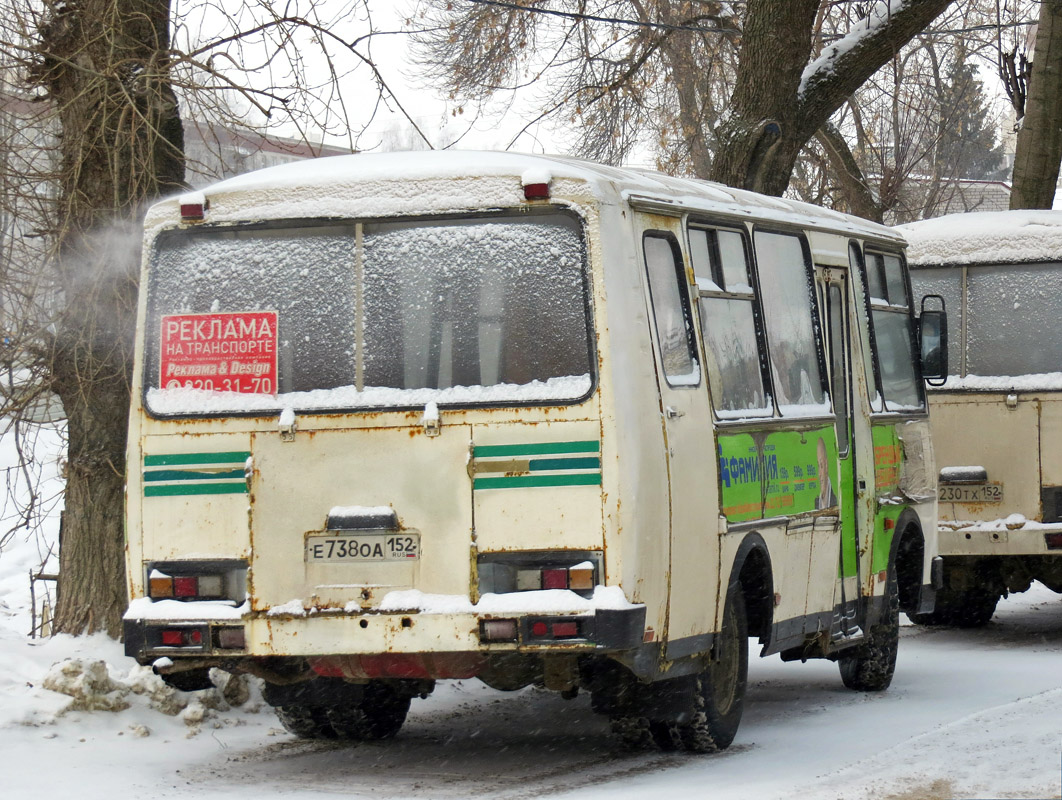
{"points": [[223, 352]]}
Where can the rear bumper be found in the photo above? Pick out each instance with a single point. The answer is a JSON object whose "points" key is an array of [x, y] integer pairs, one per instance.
{"points": [[996, 539], [353, 643]]}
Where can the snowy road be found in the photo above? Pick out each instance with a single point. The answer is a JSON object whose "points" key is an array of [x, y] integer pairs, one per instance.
{"points": [[971, 714]]}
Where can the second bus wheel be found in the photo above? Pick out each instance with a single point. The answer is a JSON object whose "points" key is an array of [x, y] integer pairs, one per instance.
{"points": [[720, 696]]}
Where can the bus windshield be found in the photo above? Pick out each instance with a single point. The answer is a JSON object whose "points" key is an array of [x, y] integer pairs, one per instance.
{"points": [[368, 315]]}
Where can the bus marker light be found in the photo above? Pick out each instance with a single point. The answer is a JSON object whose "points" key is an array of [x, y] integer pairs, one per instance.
{"points": [[193, 207], [536, 191]]}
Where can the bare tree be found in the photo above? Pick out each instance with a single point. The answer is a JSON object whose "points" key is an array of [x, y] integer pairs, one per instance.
{"points": [[1039, 148], [727, 91], [93, 88]]}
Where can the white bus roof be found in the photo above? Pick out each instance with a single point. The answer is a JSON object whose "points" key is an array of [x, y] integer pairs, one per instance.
{"points": [[388, 184], [984, 237]]}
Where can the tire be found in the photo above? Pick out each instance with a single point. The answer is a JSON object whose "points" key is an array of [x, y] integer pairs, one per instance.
{"points": [[306, 722], [869, 667], [380, 715], [970, 609], [631, 733], [378, 712], [720, 689]]}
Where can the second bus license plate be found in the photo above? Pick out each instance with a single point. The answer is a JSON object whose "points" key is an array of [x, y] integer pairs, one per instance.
{"points": [[346, 547], [971, 493]]}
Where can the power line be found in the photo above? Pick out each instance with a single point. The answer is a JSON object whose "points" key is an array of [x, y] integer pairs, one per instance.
{"points": [[635, 23]]}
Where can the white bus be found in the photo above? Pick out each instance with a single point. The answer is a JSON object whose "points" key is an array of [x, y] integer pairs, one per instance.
{"points": [[410, 417], [997, 421]]}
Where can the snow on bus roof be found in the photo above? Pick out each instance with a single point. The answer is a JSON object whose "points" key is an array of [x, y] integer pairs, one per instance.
{"points": [[984, 237], [388, 184]]}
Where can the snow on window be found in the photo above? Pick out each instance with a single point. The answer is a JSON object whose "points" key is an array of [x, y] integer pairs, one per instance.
{"points": [[489, 309]]}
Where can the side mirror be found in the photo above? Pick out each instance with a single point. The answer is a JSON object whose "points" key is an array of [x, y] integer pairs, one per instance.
{"points": [[933, 341]]}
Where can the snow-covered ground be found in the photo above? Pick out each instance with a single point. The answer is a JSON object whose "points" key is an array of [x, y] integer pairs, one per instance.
{"points": [[971, 714]]}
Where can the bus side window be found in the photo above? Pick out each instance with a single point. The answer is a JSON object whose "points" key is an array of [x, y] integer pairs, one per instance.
{"points": [[893, 334], [786, 294], [671, 313], [728, 323], [855, 261]]}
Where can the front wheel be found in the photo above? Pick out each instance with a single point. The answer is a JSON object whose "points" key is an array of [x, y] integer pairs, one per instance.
{"points": [[869, 667], [720, 689]]}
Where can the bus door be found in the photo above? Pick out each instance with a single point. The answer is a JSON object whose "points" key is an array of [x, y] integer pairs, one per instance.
{"points": [[686, 419], [833, 291]]}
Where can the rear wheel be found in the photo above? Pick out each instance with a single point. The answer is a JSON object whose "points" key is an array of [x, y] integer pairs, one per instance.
{"points": [[328, 708], [720, 689], [869, 667]]}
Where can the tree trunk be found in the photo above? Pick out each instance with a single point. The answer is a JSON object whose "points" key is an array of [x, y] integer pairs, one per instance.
{"points": [[1039, 147], [779, 102], [104, 64]]}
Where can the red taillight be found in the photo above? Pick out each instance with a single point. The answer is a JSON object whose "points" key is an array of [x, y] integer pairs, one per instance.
{"points": [[554, 579], [185, 586], [172, 638], [181, 637], [1053, 541], [565, 630], [539, 629]]}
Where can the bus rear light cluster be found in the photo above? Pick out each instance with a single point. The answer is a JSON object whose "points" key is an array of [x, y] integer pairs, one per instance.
{"points": [[185, 587], [195, 636], [556, 629], [197, 580], [1053, 541], [578, 571], [536, 630], [577, 578]]}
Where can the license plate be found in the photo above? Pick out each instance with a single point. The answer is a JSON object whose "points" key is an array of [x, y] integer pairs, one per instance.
{"points": [[348, 547], [971, 493]]}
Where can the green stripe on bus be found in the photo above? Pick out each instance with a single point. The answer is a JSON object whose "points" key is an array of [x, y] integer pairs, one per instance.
{"points": [[536, 449], [540, 464], [238, 456], [170, 490], [527, 481], [192, 475]]}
